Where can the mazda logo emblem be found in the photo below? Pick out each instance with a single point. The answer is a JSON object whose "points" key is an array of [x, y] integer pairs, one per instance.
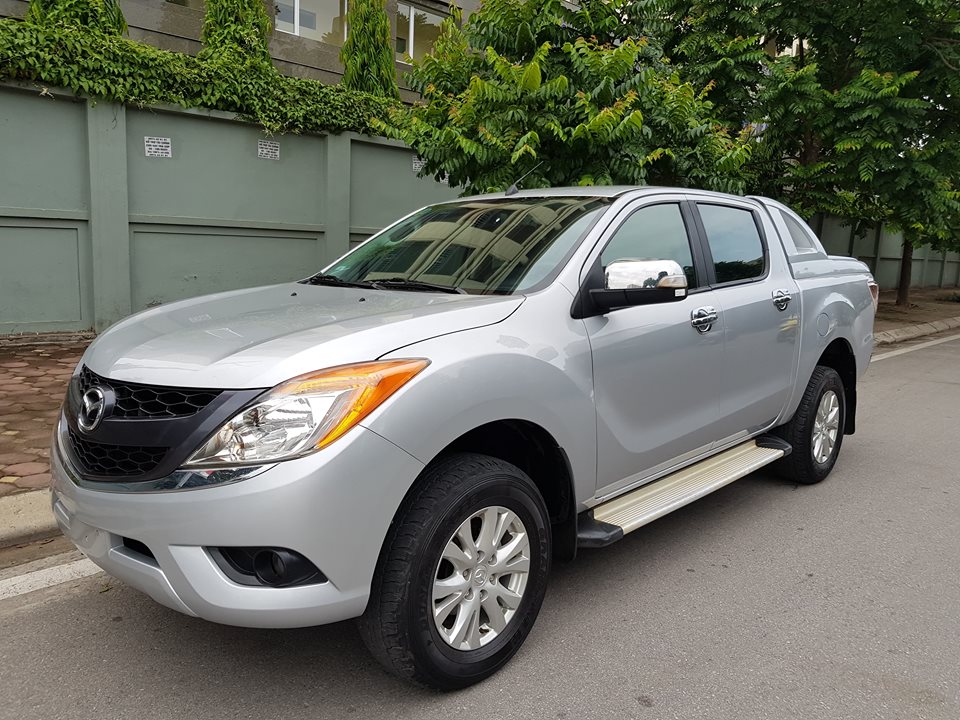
{"points": [[91, 409]]}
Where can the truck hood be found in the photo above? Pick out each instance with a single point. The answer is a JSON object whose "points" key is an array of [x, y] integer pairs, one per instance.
{"points": [[259, 337]]}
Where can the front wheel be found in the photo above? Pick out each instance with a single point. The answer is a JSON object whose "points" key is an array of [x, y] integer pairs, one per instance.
{"points": [[462, 575], [816, 429]]}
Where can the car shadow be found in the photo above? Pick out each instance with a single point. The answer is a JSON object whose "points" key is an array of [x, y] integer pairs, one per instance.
{"points": [[295, 672]]}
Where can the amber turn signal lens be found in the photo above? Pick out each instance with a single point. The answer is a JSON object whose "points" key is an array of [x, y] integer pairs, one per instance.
{"points": [[361, 388]]}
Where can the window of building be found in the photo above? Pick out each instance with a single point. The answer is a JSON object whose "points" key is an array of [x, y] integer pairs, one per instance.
{"points": [[656, 232], [323, 20], [417, 30], [469, 7], [734, 242]]}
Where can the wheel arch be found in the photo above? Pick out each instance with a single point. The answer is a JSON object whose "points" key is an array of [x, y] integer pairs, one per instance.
{"points": [[839, 356], [534, 450]]}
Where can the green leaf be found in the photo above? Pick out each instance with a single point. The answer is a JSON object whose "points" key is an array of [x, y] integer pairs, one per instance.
{"points": [[531, 77]]}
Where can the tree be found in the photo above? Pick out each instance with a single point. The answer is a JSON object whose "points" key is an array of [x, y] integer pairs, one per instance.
{"points": [[530, 87], [367, 54], [860, 118]]}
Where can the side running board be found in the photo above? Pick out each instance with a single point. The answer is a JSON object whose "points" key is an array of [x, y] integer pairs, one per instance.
{"points": [[609, 522]]}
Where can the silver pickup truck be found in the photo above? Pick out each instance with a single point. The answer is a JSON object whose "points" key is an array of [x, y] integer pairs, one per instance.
{"points": [[412, 435]]}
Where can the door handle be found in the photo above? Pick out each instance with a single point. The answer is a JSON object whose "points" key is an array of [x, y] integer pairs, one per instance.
{"points": [[781, 298], [703, 318]]}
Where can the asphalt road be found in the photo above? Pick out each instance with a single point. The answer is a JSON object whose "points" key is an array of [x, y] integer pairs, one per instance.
{"points": [[763, 600]]}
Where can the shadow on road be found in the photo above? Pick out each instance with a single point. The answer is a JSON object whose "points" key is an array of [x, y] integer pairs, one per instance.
{"points": [[328, 666]]}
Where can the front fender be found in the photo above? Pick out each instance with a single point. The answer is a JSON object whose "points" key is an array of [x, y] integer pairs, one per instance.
{"points": [[515, 370]]}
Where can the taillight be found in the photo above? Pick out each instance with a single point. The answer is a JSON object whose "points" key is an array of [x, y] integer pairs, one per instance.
{"points": [[874, 293]]}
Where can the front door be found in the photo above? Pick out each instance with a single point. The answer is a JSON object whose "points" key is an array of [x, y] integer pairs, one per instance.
{"points": [[654, 373]]}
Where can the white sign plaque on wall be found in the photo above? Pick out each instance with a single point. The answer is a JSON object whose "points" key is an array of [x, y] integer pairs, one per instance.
{"points": [[268, 149], [159, 147], [419, 163]]}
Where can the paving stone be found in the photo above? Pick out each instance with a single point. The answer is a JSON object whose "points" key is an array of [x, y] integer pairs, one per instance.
{"points": [[7, 489], [31, 372], [12, 458], [36, 437], [13, 364], [8, 479], [35, 408], [26, 469], [16, 417], [34, 482]]}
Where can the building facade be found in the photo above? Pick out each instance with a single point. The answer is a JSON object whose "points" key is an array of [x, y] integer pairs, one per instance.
{"points": [[307, 34]]}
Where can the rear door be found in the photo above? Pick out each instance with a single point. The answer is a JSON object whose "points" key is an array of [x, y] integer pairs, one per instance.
{"points": [[654, 373], [759, 304]]}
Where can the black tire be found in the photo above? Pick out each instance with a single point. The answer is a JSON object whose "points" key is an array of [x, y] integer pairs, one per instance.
{"points": [[801, 466], [397, 625]]}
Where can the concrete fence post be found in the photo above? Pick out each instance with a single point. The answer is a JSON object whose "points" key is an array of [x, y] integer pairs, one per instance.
{"points": [[337, 189], [109, 215]]}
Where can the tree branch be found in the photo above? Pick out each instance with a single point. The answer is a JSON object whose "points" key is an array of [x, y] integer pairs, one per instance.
{"points": [[943, 58]]}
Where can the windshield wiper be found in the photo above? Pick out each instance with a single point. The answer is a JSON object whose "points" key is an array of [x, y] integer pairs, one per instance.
{"points": [[405, 284], [322, 279]]}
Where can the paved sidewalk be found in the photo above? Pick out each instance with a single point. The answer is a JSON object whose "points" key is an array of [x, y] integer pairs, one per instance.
{"points": [[33, 380]]}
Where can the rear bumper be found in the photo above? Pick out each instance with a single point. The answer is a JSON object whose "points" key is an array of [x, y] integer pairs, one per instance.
{"points": [[334, 507]]}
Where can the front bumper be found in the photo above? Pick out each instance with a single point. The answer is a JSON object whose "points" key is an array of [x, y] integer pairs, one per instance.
{"points": [[334, 507]]}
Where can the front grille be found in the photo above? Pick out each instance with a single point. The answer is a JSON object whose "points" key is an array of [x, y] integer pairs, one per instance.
{"points": [[114, 460], [134, 400]]}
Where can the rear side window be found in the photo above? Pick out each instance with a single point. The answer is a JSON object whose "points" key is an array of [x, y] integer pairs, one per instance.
{"points": [[801, 237], [734, 242]]}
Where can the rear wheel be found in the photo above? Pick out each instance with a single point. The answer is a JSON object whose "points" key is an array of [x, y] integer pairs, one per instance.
{"points": [[462, 574], [816, 430]]}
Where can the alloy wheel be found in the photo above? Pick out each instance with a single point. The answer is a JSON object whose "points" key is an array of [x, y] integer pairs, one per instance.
{"points": [[826, 427], [481, 577]]}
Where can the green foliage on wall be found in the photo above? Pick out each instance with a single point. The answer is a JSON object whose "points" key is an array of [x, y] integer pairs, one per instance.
{"points": [[104, 15], [77, 44], [367, 55], [529, 85]]}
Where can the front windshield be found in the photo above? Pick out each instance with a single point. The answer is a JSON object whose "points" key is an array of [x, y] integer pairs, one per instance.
{"points": [[484, 247]]}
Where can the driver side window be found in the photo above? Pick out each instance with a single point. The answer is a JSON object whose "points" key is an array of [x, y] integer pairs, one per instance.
{"points": [[655, 232]]}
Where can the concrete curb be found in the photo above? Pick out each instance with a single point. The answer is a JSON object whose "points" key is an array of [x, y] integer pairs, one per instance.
{"points": [[33, 339], [914, 331], [26, 517]]}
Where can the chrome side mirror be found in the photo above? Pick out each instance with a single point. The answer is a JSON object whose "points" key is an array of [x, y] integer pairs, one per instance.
{"points": [[645, 275], [637, 282]]}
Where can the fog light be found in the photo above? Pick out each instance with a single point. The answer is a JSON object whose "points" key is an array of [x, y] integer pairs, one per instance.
{"points": [[266, 566], [277, 567]]}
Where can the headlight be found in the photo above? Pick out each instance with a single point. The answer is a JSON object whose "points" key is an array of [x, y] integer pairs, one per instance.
{"points": [[304, 414]]}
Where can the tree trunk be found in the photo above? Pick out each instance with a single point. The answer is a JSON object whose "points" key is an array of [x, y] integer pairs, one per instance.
{"points": [[906, 274]]}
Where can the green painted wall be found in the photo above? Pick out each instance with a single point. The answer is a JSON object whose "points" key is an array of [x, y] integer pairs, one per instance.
{"points": [[881, 249], [91, 229]]}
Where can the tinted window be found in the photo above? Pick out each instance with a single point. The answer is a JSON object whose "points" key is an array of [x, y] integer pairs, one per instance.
{"points": [[801, 237], [734, 242], [496, 246], [656, 232]]}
